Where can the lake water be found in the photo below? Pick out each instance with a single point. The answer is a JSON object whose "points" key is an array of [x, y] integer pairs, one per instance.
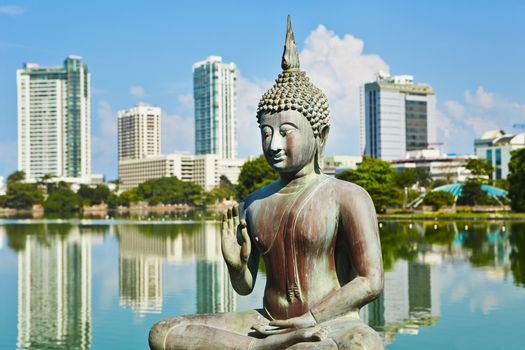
{"points": [[101, 284]]}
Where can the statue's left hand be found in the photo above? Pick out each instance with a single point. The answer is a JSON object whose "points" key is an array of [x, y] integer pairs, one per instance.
{"points": [[304, 321]]}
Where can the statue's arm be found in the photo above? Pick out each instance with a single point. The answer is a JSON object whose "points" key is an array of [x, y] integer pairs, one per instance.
{"points": [[242, 261], [359, 230]]}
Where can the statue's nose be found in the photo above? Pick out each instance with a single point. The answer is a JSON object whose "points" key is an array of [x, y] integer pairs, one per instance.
{"points": [[276, 146]]}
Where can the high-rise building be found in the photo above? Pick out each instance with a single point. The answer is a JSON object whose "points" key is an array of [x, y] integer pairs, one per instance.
{"points": [[138, 132], [397, 114], [54, 120], [214, 92]]}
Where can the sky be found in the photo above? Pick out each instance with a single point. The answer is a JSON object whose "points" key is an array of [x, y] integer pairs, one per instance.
{"points": [[471, 53]]}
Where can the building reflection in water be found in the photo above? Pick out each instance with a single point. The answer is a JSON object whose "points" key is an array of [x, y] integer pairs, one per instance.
{"points": [[415, 254], [144, 249], [54, 289]]}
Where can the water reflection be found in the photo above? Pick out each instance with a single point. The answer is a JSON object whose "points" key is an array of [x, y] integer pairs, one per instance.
{"points": [[54, 288], [414, 255], [421, 260], [144, 248]]}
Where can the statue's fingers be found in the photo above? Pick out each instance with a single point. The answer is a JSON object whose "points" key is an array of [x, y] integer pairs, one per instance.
{"points": [[281, 323], [235, 214], [247, 244], [224, 224]]}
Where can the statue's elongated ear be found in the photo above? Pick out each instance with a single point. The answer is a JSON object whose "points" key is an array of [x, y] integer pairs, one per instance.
{"points": [[323, 135]]}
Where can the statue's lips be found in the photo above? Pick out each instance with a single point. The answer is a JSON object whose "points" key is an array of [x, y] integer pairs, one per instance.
{"points": [[278, 159]]}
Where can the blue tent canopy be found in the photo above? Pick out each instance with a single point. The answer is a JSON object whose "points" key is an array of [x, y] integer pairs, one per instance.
{"points": [[457, 188]]}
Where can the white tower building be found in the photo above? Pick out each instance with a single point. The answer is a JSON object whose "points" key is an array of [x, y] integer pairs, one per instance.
{"points": [[54, 120], [138, 132]]}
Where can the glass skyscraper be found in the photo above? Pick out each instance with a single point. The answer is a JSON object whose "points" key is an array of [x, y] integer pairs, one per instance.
{"points": [[54, 119], [214, 93]]}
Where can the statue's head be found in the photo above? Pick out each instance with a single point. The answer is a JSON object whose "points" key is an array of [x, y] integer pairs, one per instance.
{"points": [[293, 116]]}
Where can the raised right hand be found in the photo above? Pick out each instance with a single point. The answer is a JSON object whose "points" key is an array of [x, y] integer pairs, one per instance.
{"points": [[235, 254]]}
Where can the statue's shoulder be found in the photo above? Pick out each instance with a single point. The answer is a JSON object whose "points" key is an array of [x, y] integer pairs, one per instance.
{"points": [[259, 195], [346, 190]]}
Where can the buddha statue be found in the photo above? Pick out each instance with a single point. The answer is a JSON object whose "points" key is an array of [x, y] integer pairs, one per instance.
{"points": [[318, 237]]}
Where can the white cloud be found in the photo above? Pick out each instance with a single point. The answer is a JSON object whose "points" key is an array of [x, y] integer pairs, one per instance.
{"points": [[338, 66], [11, 10], [460, 122], [137, 91], [104, 140], [248, 95], [177, 133]]}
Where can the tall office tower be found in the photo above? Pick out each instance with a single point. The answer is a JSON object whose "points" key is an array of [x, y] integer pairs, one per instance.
{"points": [[138, 132], [54, 120], [397, 114], [214, 92]]}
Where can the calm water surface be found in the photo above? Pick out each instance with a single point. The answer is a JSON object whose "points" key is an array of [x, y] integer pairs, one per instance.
{"points": [[102, 284]]}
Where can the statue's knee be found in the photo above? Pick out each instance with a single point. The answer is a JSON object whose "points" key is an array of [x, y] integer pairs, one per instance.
{"points": [[160, 331], [361, 338]]}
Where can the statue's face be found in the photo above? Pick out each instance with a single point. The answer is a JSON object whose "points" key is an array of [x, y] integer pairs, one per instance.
{"points": [[288, 140]]}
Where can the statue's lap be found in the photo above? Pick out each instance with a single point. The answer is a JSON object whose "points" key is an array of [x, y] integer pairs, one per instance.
{"points": [[347, 332]]}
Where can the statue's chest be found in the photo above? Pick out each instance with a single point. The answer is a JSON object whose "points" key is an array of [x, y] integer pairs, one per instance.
{"points": [[285, 221]]}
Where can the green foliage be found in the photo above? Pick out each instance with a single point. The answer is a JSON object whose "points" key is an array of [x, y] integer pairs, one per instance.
{"points": [[480, 167], [516, 180], [377, 177], [17, 176], [20, 195], [254, 175], [130, 196], [440, 234], [517, 254], [438, 183], [438, 199], [62, 200], [405, 178], [397, 243], [225, 190], [92, 196], [3, 200], [170, 190], [472, 194]]}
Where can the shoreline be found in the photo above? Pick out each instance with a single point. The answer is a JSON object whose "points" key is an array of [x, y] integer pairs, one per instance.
{"points": [[437, 216]]}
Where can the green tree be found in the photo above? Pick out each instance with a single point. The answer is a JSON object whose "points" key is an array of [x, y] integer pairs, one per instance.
{"points": [[480, 167], [171, 190], [94, 195], [130, 196], [62, 200], [516, 180], [254, 175], [21, 195], [472, 194], [377, 177], [438, 199], [16, 176], [406, 177], [225, 190]]}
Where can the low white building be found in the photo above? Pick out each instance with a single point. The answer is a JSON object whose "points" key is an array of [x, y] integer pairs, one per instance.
{"points": [[205, 170], [2, 188], [441, 166], [496, 147], [337, 163]]}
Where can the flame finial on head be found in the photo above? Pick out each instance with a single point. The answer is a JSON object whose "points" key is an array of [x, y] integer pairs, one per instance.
{"points": [[290, 58]]}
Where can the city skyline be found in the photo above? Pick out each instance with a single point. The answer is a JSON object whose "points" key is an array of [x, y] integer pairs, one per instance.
{"points": [[473, 67]]}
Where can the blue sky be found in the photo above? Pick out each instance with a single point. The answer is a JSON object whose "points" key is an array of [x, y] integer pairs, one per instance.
{"points": [[471, 53]]}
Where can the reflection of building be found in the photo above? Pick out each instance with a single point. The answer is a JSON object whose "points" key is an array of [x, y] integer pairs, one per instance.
{"points": [[54, 120], [495, 146], [410, 299], [397, 114], [54, 292], [214, 290], [143, 251]]}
